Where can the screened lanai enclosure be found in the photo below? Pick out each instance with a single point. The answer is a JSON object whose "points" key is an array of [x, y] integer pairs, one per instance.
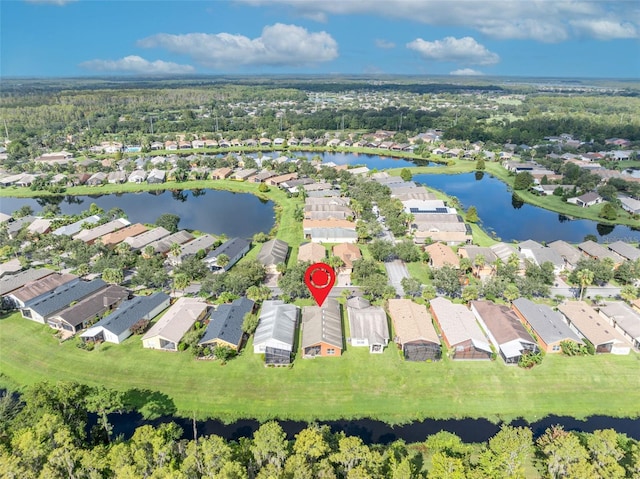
{"points": [[421, 351], [277, 357]]}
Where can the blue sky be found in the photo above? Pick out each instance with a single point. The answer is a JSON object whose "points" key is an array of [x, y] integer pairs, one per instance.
{"points": [[461, 37]]}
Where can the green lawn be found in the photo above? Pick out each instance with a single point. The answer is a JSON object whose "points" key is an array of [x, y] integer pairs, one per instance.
{"points": [[355, 385]]}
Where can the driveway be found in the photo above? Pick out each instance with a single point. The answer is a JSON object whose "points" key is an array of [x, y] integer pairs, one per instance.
{"points": [[397, 270]]}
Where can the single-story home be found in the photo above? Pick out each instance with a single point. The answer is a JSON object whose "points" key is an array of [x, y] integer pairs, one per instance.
{"points": [[201, 243], [89, 236], [367, 325], [36, 290], [163, 246], [12, 282], [312, 252], [505, 330], [275, 334], [272, 253], [546, 324], [88, 310], [624, 319], [441, 255], [116, 327], [588, 324], [588, 199], [322, 330], [225, 324], [597, 251], [460, 331], [167, 333], [138, 242], [414, 331], [234, 249], [114, 238]]}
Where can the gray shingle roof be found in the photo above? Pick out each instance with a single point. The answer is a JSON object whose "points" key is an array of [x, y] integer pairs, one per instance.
{"points": [[226, 322], [322, 324], [273, 252], [546, 323], [625, 250], [130, 312], [62, 297], [15, 281], [93, 305]]}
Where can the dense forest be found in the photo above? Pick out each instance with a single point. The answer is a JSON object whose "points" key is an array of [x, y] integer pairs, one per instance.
{"points": [[63, 430]]}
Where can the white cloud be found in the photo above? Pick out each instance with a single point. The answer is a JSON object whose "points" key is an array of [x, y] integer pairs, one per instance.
{"points": [[466, 72], [279, 45], [385, 44], [605, 29], [136, 64], [542, 20], [457, 50], [59, 3]]}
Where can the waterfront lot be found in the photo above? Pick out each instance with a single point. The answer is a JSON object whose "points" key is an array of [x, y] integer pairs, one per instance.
{"points": [[355, 385]]}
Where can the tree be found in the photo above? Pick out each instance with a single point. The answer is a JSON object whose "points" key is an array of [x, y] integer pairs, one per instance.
{"points": [[480, 166], [180, 281], [629, 292], [608, 212], [175, 249], [446, 281], [113, 275], [222, 260], [168, 221], [605, 451], [428, 292], [470, 293], [382, 250], [411, 286], [270, 445], [105, 401], [508, 452], [405, 174], [511, 292], [472, 215], [258, 293], [523, 181], [408, 251], [585, 277], [292, 282], [565, 456]]}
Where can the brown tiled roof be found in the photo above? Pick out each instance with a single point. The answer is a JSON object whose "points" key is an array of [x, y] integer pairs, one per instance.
{"points": [[442, 255], [112, 239], [411, 321], [347, 252]]}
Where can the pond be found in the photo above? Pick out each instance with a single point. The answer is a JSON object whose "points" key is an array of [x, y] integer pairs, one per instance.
{"points": [[211, 211], [373, 162], [377, 432], [510, 219]]}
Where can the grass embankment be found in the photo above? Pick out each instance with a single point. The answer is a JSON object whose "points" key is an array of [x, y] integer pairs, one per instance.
{"points": [[355, 385]]}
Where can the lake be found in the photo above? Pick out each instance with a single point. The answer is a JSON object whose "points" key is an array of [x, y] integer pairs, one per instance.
{"points": [[211, 211], [512, 220], [373, 162]]}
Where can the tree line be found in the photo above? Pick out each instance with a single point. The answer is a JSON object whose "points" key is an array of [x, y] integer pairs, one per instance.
{"points": [[44, 433]]}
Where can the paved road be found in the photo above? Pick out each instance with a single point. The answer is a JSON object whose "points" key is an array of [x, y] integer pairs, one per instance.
{"points": [[590, 292], [397, 270]]}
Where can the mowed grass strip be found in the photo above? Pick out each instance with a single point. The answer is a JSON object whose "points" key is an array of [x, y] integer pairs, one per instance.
{"points": [[355, 385]]}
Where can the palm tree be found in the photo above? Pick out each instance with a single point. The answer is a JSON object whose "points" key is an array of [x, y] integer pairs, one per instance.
{"points": [[585, 277], [148, 252], [222, 260], [180, 281], [174, 249]]}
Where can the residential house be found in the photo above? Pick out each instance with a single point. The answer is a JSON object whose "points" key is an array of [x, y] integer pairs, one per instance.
{"points": [[97, 179], [14, 228], [504, 330], [60, 298], [263, 176], [89, 236], [138, 242], [630, 204], [275, 334], [367, 325], [588, 199], [221, 173], [624, 319], [272, 253], [278, 180], [540, 254], [156, 176], [163, 246], [234, 249], [547, 325], [312, 252], [625, 250], [114, 238], [594, 250], [201, 243], [415, 334], [35, 290], [137, 176], [74, 228], [88, 310], [40, 226], [225, 324], [117, 176], [348, 253], [569, 253], [10, 267], [441, 255], [460, 331], [322, 330], [588, 324], [482, 259], [167, 333], [13, 282], [116, 327], [244, 175], [333, 229]]}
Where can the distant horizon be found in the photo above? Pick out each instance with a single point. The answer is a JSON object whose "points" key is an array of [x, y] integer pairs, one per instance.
{"points": [[462, 38]]}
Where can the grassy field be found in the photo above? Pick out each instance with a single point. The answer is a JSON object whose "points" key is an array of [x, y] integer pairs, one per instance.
{"points": [[355, 385]]}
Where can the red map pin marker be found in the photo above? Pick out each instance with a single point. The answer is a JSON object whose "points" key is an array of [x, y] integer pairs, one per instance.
{"points": [[320, 278]]}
